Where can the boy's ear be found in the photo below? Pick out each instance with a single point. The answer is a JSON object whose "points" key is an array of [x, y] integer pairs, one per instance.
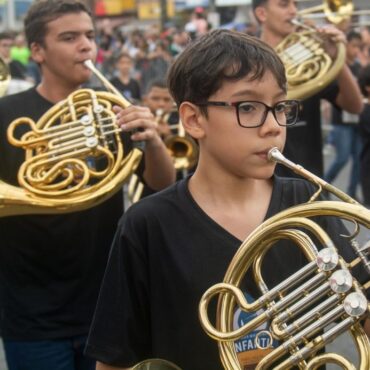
{"points": [[260, 13], [37, 52], [191, 119]]}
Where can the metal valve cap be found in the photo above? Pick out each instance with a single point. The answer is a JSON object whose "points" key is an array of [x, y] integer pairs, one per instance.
{"points": [[327, 259], [355, 304]]}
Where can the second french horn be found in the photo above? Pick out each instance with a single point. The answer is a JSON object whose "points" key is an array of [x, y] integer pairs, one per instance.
{"points": [[75, 155], [308, 66]]}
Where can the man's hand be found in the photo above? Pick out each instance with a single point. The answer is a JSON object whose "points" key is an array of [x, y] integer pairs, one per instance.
{"points": [[159, 169], [140, 122], [331, 36]]}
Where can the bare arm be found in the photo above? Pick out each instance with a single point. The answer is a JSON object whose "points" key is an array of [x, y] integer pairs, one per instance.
{"points": [[101, 366], [349, 97], [159, 169]]}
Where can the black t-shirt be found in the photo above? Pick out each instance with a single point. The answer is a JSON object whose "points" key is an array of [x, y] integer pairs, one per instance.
{"points": [[51, 266], [304, 139], [131, 90], [341, 117], [166, 253]]}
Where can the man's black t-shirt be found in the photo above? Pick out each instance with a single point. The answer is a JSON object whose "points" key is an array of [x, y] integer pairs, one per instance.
{"points": [[51, 266], [167, 252], [304, 139], [131, 90], [365, 153]]}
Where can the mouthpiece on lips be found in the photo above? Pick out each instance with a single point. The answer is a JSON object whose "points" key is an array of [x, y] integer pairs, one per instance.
{"points": [[274, 155]]}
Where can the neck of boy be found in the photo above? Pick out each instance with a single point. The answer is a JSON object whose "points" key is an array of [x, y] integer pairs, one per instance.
{"points": [[55, 93], [237, 205], [226, 190]]}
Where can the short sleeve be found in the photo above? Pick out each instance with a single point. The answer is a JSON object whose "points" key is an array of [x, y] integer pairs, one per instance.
{"points": [[120, 332]]}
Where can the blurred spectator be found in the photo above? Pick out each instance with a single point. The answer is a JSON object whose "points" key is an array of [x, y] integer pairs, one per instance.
{"points": [[345, 135], [124, 81], [364, 56], [33, 72], [20, 50], [17, 70], [179, 41], [198, 24], [160, 102]]}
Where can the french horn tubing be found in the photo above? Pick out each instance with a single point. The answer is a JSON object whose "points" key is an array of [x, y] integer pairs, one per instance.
{"points": [[182, 148], [75, 157], [308, 67], [322, 293]]}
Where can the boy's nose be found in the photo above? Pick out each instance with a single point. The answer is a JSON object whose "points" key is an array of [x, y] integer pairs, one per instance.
{"points": [[270, 126]]}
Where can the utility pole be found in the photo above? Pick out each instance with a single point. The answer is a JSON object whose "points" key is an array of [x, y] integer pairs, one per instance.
{"points": [[10, 15], [163, 13]]}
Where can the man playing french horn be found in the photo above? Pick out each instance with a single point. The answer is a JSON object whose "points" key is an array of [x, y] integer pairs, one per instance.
{"points": [[170, 248], [304, 140], [52, 265]]}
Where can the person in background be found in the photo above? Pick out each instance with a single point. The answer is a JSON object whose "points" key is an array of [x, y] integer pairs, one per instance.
{"points": [[170, 248], [18, 74], [124, 81], [304, 140], [345, 135], [20, 50], [364, 56], [51, 266], [160, 102], [364, 81]]}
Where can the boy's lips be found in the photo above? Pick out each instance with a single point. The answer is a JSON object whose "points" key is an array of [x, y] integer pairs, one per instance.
{"points": [[264, 153]]}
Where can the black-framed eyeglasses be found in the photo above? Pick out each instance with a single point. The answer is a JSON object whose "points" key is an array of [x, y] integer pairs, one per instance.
{"points": [[253, 113]]}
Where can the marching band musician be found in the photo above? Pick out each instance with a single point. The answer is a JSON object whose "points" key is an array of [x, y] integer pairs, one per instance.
{"points": [[51, 266], [304, 140], [171, 247]]}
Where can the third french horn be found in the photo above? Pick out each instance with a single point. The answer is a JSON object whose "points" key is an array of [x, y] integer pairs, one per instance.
{"points": [[308, 66]]}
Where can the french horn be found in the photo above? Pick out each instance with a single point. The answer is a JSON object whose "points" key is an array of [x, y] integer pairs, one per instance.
{"points": [[75, 155], [335, 11], [322, 293], [181, 147], [309, 68]]}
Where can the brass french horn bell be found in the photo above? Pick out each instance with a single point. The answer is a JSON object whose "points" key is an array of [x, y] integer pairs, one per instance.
{"points": [[75, 157], [321, 295], [4, 77], [334, 10], [182, 148]]}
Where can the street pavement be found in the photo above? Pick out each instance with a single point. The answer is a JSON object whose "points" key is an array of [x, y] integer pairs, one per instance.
{"points": [[344, 343]]}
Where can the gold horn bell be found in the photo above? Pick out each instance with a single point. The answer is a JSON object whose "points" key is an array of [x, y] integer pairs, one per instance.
{"points": [[74, 155], [322, 293], [335, 11]]}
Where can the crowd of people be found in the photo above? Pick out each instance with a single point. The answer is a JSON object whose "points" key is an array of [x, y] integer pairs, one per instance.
{"points": [[111, 286]]}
